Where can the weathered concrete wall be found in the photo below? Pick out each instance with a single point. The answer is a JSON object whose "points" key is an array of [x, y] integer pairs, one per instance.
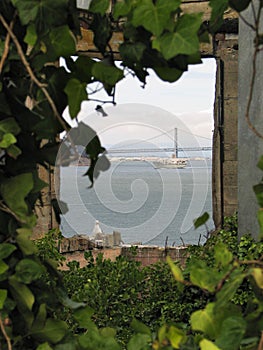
{"points": [[225, 127], [250, 146]]}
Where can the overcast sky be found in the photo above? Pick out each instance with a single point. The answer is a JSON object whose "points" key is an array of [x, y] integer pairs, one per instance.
{"points": [[142, 113]]}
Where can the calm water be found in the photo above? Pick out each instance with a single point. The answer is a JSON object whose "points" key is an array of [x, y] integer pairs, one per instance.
{"points": [[142, 203]]}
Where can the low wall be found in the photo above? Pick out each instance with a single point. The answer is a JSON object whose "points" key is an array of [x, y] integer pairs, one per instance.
{"points": [[75, 247], [148, 255]]}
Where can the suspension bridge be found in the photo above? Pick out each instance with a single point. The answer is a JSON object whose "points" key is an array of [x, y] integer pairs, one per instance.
{"points": [[164, 142]]}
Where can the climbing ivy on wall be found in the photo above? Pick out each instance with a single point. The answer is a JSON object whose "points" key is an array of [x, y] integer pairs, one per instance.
{"points": [[34, 92]]}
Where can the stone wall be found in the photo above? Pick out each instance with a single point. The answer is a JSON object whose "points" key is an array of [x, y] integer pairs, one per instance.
{"points": [[225, 127], [74, 248], [148, 255]]}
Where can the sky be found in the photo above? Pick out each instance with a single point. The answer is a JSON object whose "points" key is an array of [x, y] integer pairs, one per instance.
{"points": [[158, 108]]}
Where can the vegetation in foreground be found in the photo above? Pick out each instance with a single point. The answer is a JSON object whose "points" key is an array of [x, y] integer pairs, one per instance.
{"points": [[216, 297]]}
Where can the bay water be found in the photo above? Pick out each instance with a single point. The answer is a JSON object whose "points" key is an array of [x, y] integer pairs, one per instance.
{"points": [[146, 205]]}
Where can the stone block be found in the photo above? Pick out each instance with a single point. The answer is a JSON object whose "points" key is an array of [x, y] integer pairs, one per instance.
{"points": [[230, 151], [85, 43], [230, 85], [197, 7], [230, 180], [230, 210], [230, 167], [230, 196]]}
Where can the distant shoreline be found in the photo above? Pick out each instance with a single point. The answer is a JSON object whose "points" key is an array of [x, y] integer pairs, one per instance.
{"points": [[153, 159]]}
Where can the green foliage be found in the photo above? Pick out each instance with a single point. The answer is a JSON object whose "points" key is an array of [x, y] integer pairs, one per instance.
{"points": [[201, 220], [48, 246]]}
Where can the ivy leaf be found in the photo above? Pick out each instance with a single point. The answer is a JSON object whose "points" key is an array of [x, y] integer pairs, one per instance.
{"points": [[231, 334], [140, 327], [13, 151], [107, 74], [44, 13], [93, 148], [63, 41], [7, 140], [82, 68], [154, 17], [203, 320], [228, 290], [3, 267], [178, 275], [131, 52], [83, 316], [101, 27], [238, 5], [76, 92], [257, 273], [94, 339], [97, 165], [201, 220], [40, 318], [204, 277], [184, 40], [206, 344], [218, 9], [83, 135], [223, 256], [59, 208], [28, 270], [176, 337], [6, 249], [28, 10], [44, 346], [22, 294], [3, 295], [99, 6], [31, 35], [53, 331], [108, 332], [168, 74], [14, 191], [24, 241], [121, 8], [9, 125], [139, 342]]}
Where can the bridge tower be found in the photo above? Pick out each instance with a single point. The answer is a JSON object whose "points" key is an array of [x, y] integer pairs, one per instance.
{"points": [[175, 142]]}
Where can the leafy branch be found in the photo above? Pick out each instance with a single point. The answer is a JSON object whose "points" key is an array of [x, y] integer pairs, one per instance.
{"points": [[6, 47], [33, 77], [8, 340]]}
